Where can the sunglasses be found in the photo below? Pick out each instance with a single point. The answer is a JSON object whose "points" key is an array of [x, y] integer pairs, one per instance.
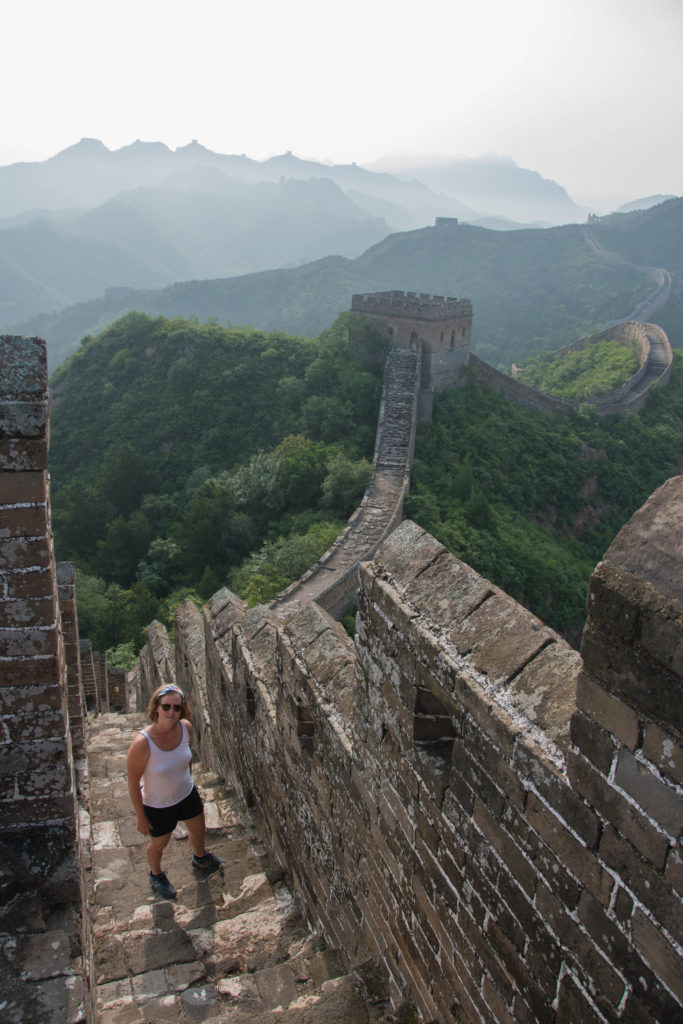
{"points": [[171, 707]]}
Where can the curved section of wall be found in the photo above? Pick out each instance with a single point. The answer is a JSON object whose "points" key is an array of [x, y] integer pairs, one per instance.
{"points": [[655, 363]]}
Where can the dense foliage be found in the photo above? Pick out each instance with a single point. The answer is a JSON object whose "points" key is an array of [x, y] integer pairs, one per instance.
{"points": [[180, 451], [532, 501], [595, 370]]}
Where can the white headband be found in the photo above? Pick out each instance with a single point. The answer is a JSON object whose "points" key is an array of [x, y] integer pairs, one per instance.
{"points": [[171, 689]]}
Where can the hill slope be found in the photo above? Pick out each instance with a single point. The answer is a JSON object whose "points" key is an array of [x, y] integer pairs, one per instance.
{"points": [[531, 289]]}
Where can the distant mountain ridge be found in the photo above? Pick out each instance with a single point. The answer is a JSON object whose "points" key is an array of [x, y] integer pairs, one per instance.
{"points": [[532, 290]]}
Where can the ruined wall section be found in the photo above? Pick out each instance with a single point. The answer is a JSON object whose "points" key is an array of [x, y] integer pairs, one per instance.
{"points": [[461, 795]]}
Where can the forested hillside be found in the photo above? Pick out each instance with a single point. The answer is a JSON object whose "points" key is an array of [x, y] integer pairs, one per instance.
{"points": [[186, 457], [532, 290], [179, 450], [531, 500]]}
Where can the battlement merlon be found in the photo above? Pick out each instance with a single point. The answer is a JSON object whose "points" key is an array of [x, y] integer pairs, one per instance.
{"points": [[415, 305]]}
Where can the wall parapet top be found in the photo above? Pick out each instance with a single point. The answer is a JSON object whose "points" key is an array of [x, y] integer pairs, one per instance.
{"points": [[417, 305]]}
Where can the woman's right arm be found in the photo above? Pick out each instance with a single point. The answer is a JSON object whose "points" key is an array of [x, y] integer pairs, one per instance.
{"points": [[138, 756]]}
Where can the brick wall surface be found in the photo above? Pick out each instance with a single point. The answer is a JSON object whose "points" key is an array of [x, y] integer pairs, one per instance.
{"points": [[459, 794], [37, 803]]}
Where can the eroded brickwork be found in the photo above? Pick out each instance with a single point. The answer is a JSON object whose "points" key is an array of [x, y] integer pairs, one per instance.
{"points": [[44, 958], [459, 794]]}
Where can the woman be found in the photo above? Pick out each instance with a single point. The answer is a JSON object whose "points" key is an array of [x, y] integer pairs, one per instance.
{"points": [[161, 787]]}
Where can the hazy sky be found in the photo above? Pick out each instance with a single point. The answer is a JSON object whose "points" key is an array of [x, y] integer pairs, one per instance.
{"points": [[588, 92]]}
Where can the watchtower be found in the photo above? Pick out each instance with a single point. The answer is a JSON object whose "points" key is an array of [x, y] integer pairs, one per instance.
{"points": [[441, 327]]}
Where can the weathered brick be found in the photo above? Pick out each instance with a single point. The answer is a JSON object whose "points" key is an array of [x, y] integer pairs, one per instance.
{"points": [[596, 745], [648, 886], [664, 752], [661, 801], [538, 771], [43, 670], [607, 711], [24, 487], [23, 453], [674, 868], [27, 612], [573, 1004], [20, 553], [27, 643], [658, 952], [505, 846], [587, 957], [23, 522], [580, 861], [38, 582], [615, 808]]}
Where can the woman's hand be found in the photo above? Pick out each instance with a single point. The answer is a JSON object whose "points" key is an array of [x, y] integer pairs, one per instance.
{"points": [[142, 824]]}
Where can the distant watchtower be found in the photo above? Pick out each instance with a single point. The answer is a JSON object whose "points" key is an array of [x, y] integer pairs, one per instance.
{"points": [[441, 326]]}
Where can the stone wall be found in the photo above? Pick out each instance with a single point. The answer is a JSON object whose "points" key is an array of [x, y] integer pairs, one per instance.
{"points": [[45, 953], [459, 794], [66, 589], [655, 359], [443, 327]]}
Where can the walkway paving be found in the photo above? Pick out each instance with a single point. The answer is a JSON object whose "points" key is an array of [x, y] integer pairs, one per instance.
{"points": [[231, 948]]}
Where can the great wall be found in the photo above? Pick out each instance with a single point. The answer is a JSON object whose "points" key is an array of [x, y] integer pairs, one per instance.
{"points": [[480, 823]]}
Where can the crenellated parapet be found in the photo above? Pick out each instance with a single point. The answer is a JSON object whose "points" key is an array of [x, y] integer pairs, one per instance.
{"points": [[492, 816], [415, 305]]}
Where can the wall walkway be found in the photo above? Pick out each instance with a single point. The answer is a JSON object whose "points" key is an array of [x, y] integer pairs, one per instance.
{"points": [[231, 947], [333, 579]]}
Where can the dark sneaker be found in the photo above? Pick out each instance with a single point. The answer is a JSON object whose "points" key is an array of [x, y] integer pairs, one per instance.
{"points": [[161, 884], [209, 862]]}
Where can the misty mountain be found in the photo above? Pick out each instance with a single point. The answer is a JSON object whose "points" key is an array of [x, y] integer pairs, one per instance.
{"points": [[494, 185], [88, 174], [532, 289], [151, 236], [643, 204]]}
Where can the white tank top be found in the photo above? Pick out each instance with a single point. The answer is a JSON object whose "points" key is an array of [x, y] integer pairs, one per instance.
{"points": [[166, 779]]}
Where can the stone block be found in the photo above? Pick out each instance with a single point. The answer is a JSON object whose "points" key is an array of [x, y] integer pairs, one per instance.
{"points": [[17, 454], [647, 886], [23, 419], [614, 807], [499, 638], [664, 752], [24, 487], [662, 957], [23, 521], [21, 553], [596, 745], [576, 858], [657, 799], [607, 711]]}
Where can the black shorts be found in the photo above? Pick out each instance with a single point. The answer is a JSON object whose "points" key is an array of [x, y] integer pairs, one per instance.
{"points": [[164, 819]]}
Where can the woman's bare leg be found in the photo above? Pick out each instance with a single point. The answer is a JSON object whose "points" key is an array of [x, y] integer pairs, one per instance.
{"points": [[155, 848], [196, 828]]}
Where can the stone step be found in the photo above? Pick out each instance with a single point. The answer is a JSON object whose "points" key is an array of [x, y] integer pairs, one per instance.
{"points": [[231, 947]]}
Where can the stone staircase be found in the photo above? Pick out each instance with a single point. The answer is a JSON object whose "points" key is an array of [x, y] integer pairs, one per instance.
{"points": [[395, 433], [232, 947]]}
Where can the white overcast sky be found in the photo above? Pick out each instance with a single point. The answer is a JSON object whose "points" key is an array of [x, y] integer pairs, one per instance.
{"points": [[587, 92]]}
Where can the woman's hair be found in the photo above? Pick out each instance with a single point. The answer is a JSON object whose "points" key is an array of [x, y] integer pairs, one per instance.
{"points": [[168, 690]]}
